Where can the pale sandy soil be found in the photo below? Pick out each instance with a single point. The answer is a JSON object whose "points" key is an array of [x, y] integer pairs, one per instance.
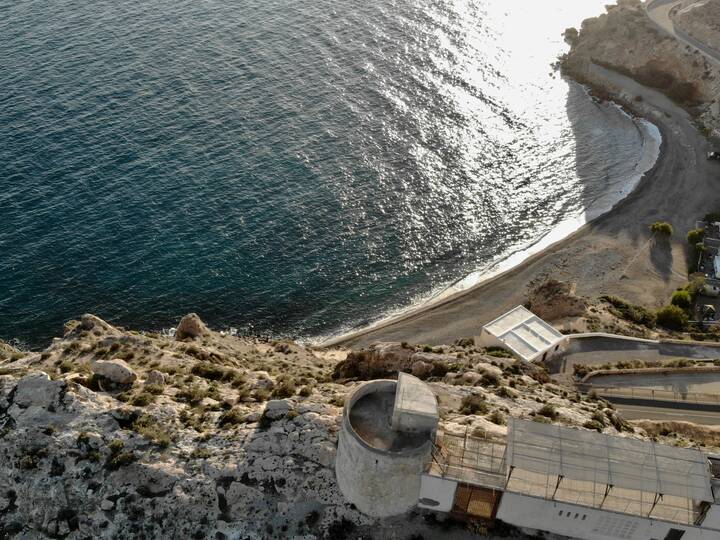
{"points": [[615, 254]]}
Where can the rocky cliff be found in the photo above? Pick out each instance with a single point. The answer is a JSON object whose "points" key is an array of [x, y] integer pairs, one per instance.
{"points": [[702, 21], [120, 434], [624, 39]]}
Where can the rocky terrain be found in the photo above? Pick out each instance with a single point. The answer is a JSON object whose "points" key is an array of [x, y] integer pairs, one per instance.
{"points": [[120, 434], [702, 21], [625, 40]]}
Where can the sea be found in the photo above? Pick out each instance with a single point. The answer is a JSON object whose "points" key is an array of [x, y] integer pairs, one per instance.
{"points": [[288, 168]]}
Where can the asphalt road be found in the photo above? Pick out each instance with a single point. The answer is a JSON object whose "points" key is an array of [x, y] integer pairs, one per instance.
{"points": [[637, 412], [659, 13]]}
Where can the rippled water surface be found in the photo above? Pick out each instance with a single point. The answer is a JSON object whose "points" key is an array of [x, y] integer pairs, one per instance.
{"points": [[287, 166]]}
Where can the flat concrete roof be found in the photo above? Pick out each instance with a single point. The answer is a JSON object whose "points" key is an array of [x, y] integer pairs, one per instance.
{"points": [[415, 397], [524, 332], [371, 418]]}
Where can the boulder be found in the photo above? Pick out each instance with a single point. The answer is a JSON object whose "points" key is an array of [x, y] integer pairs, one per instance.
{"points": [[556, 300], [155, 377], [190, 327], [116, 370], [421, 370], [36, 390], [277, 408]]}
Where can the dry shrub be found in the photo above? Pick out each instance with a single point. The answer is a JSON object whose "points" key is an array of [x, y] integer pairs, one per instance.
{"points": [[706, 435]]}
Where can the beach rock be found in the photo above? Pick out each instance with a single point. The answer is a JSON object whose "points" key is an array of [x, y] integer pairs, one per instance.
{"points": [[555, 299], [190, 327], [155, 377], [116, 370]]}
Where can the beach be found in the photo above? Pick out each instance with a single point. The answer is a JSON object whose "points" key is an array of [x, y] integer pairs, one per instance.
{"points": [[612, 254]]}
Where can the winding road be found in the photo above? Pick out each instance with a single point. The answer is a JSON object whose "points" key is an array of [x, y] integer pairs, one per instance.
{"points": [[659, 13]]}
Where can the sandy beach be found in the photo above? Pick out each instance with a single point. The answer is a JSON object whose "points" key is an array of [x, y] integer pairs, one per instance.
{"points": [[613, 254]]}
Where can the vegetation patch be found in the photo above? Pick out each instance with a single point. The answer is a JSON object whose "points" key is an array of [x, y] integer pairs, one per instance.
{"points": [[631, 312]]}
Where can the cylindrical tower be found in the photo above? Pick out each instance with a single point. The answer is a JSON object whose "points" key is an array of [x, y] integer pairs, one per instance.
{"points": [[378, 466]]}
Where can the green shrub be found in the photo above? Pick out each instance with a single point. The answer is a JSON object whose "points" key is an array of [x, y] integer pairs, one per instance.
{"points": [[505, 392], [142, 399], [232, 417], [149, 428], [497, 352], [695, 236], [681, 299], [672, 317], [474, 404], [625, 310], [497, 418], [594, 424], [305, 391], [213, 372], [285, 389], [548, 411], [662, 228], [489, 379]]}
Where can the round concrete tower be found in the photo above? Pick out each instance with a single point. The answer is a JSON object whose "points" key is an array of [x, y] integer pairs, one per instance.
{"points": [[385, 443]]}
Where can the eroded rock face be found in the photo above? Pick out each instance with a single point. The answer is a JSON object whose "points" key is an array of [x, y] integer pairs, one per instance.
{"points": [[116, 370], [555, 300], [71, 465], [625, 40], [386, 359], [191, 327]]}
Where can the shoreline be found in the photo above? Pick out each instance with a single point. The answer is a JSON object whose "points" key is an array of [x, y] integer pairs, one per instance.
{"points": [[611, 254], [563, 231]]}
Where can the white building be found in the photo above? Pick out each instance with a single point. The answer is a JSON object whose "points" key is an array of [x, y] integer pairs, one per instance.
{"points": [[524, 334], [576, 483]]}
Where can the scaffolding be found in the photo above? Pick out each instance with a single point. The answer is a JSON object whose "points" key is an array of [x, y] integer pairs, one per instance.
{"points": [[586, 468]]}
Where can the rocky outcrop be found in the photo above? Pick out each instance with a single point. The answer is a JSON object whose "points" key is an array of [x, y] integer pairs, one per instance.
{"points": [[190, 327], [386, 359], [554, 300], [702, 21], [625, 40], [115, 370]]}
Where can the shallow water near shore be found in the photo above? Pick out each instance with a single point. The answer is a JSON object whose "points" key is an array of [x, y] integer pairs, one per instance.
{"points": [[300, 169]]}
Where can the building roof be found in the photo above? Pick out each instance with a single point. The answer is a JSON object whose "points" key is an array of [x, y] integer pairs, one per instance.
{"points": [[618, 462], [413, 396], [524, 333]]}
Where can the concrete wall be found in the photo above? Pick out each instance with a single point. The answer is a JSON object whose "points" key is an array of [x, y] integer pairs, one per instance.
{"points": [[378, 483], [588, 523], [439, 490]]}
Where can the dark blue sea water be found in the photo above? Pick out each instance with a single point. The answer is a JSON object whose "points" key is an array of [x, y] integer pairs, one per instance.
{"points": [[283, 166]]}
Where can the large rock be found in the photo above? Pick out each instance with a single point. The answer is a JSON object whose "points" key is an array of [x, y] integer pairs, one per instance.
{"points": [[555, 300], [190, 327], [36, 389], [116, 370], [277, 408]]}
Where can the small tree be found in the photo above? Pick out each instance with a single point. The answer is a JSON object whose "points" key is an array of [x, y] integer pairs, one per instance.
{"points": [[681, 299], [662, 228], [695, 236], [672, 317]]}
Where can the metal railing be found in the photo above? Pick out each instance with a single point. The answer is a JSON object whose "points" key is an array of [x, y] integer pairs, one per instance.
{"points": [[634, 392]]}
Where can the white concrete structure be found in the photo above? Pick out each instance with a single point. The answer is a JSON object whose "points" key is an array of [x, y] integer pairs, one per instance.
{"points": [[378, 467], [415, 408], [524, 334]]}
